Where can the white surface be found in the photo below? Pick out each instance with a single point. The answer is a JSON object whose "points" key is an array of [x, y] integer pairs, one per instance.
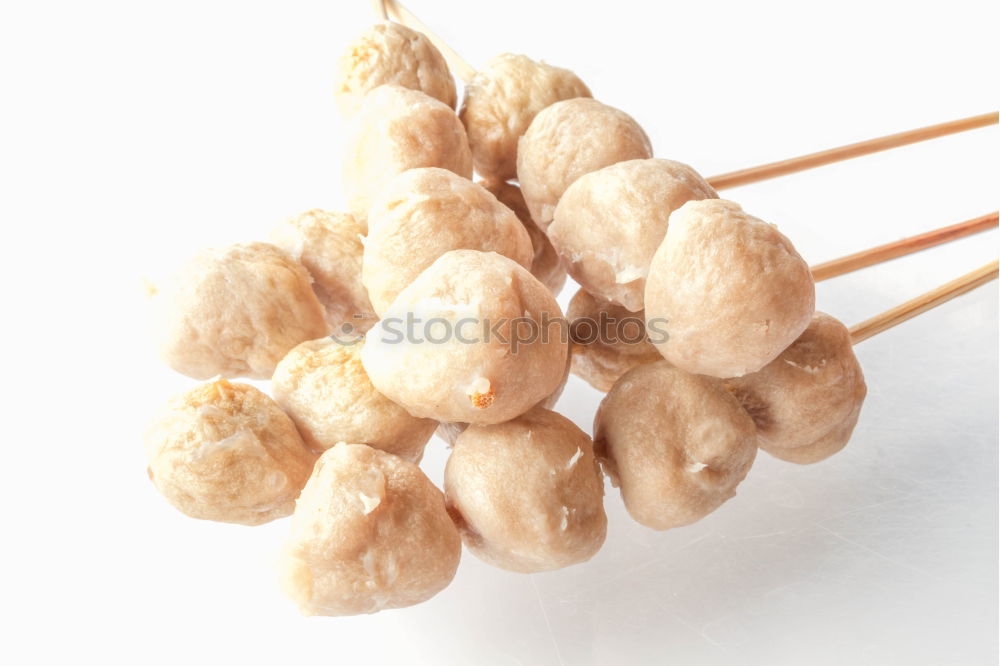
{"points": [[133, 133]]}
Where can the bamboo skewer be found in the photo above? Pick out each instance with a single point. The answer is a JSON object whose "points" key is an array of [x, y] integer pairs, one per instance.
{"points": [[813, 160], [883, 253], [924, 302], [398, 12], [380, 9]]}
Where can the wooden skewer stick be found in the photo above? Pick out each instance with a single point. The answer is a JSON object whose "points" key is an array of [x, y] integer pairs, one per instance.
{"points": [[397, 11], [380, 10], [796, 164], [925, 302], [882, 253]]}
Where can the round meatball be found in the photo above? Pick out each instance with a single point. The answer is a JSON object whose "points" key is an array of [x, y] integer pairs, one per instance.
{"points": [[391, 53], [475, 338], [235, 312], [369, 532], [546, 265], [807, 401], [731, 290], [567, 140], [323, 387], [227, 452], [676, 444], [330, 246], [500, 102], [609, 223], [449, 432], [527, 495], [423, 213], [398, 129], [606, 340]]}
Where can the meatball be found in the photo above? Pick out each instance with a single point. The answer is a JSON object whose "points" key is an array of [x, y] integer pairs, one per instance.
{"points": [[235, 312], [567, 140], [527, 495], [807, 401], [607, 340], [391, 53], [369, 532], [227, 452], [676, 444], [423, 213], [330, 246], [475, 338], [609, 223], [500, 102], [546, 265], [398, 129], [323, 387], [731, 289]]}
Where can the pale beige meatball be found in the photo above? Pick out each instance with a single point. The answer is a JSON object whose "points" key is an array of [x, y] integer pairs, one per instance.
{"points": [[323, 387], [398, 129], [227, 452], [235, 312], [676, 444], [570, 139], [484, 342], [609, 223], [606, 339], [732, 290], [423, 213], [449, 432], [527, 495], [330, 246], [500, 102], [807, 401], [370, 532], [546, 264], [391, 53]]}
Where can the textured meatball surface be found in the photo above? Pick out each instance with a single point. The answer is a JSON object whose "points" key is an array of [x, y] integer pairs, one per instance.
{"points": [[610, 222], [500, 102], [329, 245], [227, 452], [474, 351], [398, 129], [235, 312], [370, 532], [527, 494], [676, 444], [607, 340], [391, 53], [733, 290], [324, 388], [567, 140], [807, 401], [423, 213]]}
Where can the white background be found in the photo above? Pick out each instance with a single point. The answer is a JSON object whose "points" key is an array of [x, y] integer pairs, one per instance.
{"points": [[132, 133]]}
